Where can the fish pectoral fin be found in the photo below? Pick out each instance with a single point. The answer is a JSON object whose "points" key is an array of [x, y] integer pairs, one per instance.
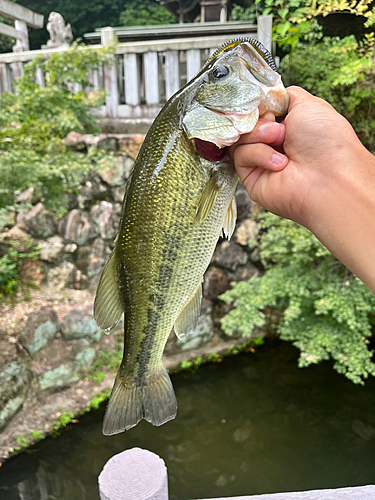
{"points": [[230, 219], [107, 305], [153, 400], [188, 317], [208, 198]]}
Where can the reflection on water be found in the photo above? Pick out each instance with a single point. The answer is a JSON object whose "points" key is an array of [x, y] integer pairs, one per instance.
{"points": [[249, 425]]}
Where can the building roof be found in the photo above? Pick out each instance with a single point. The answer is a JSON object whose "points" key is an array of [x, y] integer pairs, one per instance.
{"points": [[168, 31]]}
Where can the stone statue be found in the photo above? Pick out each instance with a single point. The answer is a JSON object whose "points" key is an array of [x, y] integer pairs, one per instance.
{"points": [[59, 32]]}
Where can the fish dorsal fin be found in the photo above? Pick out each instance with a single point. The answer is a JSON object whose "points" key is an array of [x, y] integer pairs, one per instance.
{"points": [[207, 199], [202, 123], [107, 305], [188, 317], [230, 219]]}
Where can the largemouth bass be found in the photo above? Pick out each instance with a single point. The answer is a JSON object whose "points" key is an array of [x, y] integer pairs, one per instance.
{"points": [[178, 200]]}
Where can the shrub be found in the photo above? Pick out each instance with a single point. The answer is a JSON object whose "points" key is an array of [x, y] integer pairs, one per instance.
{"points": [[327, 312], [10, 263], [34, 121], [341, 72]]}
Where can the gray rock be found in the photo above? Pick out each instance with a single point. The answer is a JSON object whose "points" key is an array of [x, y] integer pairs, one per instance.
{"points": [[255, 255], [131, 144], [246, 272], [101, 214], [15, 377], [80, 280], [216, 281], [92, 258], [51, 248], [75, 141], [229, 255], [91, 189], [117, 171], [244, 204], [108, 144], [32, 271], [76, 227], [64, 374], [203, 333], [38, 222], [85, 358], [80, 324], [246, 233], [40, 329], [18, 236], [61, 276], [70, 248], [25, 196], [7, 219], [118, 194]]}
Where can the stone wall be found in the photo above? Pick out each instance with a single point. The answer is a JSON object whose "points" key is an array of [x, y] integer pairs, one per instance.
{"points": [[50, 355]]}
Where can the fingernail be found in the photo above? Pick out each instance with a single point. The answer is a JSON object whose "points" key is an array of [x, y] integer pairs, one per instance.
{"points": [[278, 159], [265, 127]]}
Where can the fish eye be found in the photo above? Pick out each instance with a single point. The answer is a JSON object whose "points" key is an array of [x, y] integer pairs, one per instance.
{"points": [[220, 71]]}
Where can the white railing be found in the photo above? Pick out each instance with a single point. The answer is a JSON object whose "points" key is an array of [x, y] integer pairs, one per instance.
{"points": [[146, 74]]}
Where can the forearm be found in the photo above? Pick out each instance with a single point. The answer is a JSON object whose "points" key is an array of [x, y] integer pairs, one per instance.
{"points": [[344, 216]]}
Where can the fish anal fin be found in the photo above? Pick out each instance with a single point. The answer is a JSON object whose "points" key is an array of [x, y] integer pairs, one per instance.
{"points": [[107, 305], [188, 317], [207, 199], [153, 399], [230, 219]]}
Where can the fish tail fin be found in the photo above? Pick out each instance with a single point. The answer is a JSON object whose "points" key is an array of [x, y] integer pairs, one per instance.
{"points": [[153, 400]]}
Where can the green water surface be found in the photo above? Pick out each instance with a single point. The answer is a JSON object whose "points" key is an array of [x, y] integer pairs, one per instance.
{"points": [[252, 424]]}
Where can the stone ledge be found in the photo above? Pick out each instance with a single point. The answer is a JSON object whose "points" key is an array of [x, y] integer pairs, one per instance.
{"points": [[357, 492]]}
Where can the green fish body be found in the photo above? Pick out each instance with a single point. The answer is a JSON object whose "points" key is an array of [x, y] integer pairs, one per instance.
{"points": [[178, 200]]}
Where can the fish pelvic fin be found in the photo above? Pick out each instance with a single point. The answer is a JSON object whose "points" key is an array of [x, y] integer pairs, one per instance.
{"points": [[207, 199], [153, 400], [188, 317], [230, 219], [107, 305]]}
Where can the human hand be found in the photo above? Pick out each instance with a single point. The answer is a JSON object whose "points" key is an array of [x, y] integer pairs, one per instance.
{"points": [[325, 182], [319, 146]]}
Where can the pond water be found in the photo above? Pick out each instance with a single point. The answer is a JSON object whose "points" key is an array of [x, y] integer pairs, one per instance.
{"points": [[252, 424]]}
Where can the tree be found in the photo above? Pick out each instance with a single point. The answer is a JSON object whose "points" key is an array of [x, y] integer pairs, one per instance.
{"points": [[86, 15], [147, 12]]}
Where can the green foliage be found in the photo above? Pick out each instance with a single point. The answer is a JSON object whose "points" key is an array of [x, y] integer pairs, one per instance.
{"points": [[97, 401], [98, 377], [239, 13], [37, 435], [34, 121], [22, 441], [295, 20], [326, 310], [147, 12], [26, 442], [10, 264], [341, 72], [107, 360], [64, 419]]}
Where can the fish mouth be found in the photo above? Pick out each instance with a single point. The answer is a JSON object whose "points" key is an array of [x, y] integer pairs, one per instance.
{"points": [[255, 69]]}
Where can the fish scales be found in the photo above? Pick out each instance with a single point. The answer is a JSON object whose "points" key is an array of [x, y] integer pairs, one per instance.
{"points": [[176, 204]]}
